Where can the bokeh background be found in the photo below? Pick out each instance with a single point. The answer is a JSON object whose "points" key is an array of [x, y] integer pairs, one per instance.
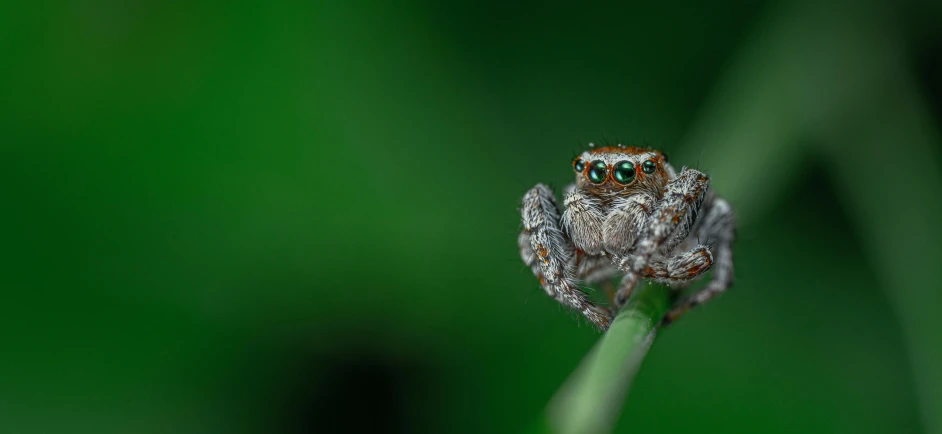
{"points": [[299, 216]]}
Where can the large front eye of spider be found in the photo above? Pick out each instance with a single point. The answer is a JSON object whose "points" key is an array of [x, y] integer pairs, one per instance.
{"points": [[578, 165], [624, 172], [648, 167], [597, 171]]}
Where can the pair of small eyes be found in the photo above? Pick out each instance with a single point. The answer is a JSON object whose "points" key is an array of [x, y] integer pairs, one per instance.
{"points": [[623, 172]]}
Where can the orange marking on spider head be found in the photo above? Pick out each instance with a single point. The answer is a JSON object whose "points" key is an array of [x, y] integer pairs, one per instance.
{"points": [[632, 150]]}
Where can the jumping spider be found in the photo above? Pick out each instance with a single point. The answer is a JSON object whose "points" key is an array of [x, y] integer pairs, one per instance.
{"points": [[628, 214]]}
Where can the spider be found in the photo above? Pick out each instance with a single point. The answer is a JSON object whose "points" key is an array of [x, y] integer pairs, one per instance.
{"points": [[628, 214]]}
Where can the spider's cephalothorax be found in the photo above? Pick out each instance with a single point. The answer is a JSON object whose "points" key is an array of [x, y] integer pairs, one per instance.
{"points": [[628, 213]]}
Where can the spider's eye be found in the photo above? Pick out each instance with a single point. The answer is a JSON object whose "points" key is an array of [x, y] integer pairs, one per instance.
{"points": [[624, 172], [648, 167], [578, 165], [597, 171]]}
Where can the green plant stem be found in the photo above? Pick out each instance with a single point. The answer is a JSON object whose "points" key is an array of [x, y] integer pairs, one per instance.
{"points": [[590, 400]]}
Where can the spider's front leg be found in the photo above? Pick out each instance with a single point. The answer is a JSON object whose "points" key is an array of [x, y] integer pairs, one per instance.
{"points": [[718, 228], [680, 269], [547, 251], [668, 225]]}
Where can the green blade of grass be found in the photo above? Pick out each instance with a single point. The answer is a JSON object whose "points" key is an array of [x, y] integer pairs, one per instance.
{"points": [[590, 400]]}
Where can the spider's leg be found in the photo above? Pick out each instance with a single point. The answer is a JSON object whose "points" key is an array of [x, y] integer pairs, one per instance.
{"points": [[676, 271], [718, 227], [680, 269], [669, 224], [548, 252], [594, 269], [609, 290]]}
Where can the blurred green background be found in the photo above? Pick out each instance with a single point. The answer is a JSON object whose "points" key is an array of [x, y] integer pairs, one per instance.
{"points": [[301, 216]]}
